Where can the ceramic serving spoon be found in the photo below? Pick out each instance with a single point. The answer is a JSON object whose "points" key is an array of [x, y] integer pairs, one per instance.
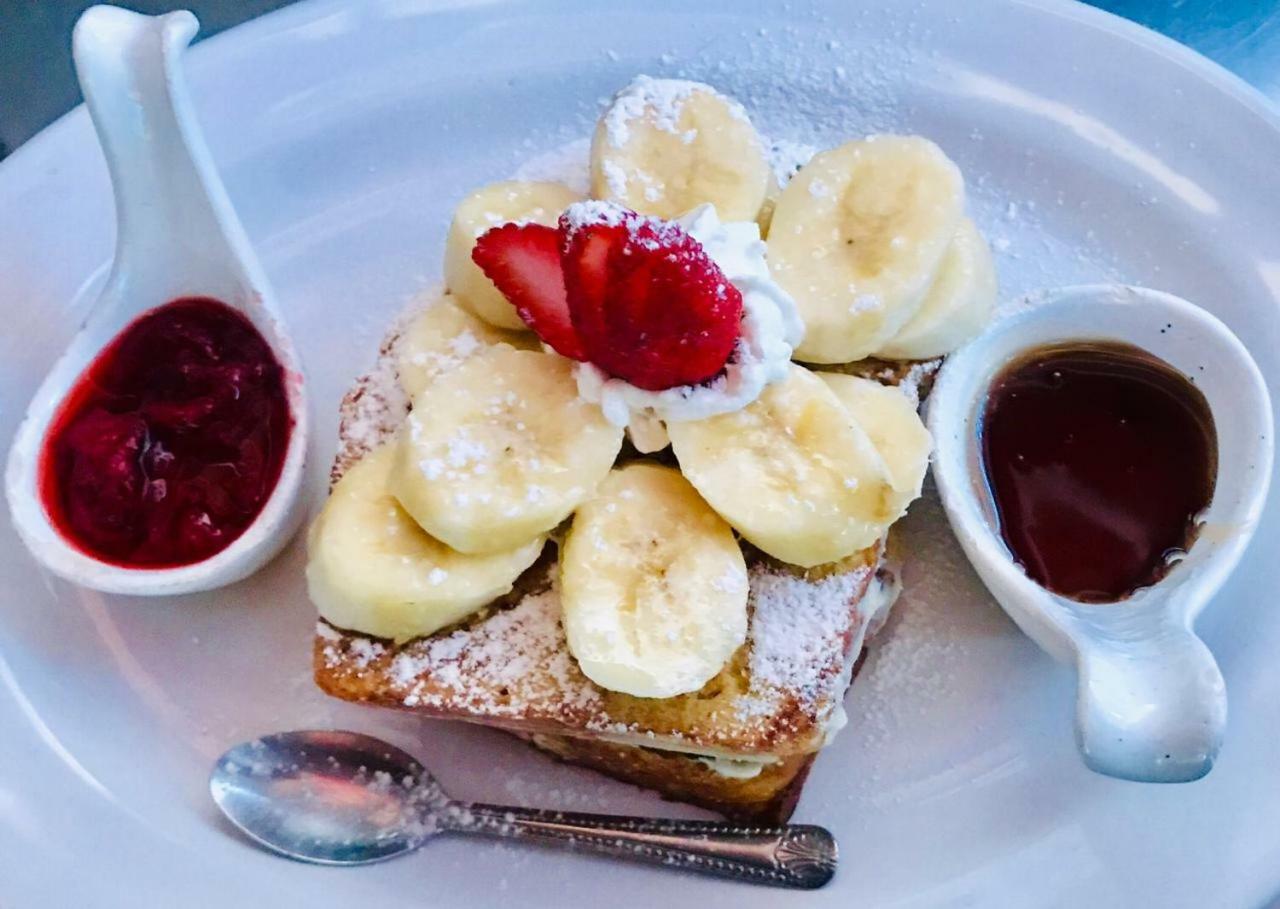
{"points": [[1151, 704], [176, 236]]}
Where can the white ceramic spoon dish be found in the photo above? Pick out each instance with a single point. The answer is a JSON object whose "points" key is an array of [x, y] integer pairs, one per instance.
{"points": [[1151, 704], [177, 236]]}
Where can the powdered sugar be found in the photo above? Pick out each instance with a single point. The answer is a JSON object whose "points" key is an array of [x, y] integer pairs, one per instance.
{"points": [[732, 581], [660, 102], [519, 651], [645, 230], [374, 408], [327, 633], [597, 211], [568, 164], [798, 632], [364, 651], [912, 668], [456, 350], [462, 450], [515, 663], [615, 178], [865, 303], [464, 345], [909, 384], [787, 157]]}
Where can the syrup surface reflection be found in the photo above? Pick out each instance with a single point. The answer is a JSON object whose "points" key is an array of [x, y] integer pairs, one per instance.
{"points": [[1099, 457]]}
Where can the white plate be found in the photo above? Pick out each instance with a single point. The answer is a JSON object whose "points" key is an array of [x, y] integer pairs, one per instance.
{"points": [[346, 132]]}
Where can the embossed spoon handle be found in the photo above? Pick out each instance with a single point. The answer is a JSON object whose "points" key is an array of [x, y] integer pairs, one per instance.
{"points": [[790, 855]]}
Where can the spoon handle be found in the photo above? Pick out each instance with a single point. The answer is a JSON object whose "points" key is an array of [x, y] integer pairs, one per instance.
{"points": [[791, 855], [171, 206], [1152, 710]]}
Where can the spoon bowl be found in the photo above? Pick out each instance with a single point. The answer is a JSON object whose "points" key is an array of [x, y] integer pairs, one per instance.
{"points": [[177, 236], [333, 798], [1151, 704]]}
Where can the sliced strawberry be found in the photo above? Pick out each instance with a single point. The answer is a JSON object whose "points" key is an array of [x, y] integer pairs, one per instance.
{"points": [[636, 296], [587, 251], [523, 261], [649, 304]]}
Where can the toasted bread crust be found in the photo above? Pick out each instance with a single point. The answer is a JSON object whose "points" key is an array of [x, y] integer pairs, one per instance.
{"points": [[768, 798]]}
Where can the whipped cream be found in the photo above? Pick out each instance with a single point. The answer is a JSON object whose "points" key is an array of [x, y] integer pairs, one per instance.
{"points": [[771, 330]]}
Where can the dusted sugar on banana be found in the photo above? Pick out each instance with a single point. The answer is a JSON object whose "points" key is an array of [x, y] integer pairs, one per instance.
{"points": [[372, 569], [500, 451], [873, 245], [665, 146], [653, 585], [857, 237], [793, 472], [442, 337]]}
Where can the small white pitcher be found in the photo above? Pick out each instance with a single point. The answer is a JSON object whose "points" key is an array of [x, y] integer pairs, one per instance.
{"points": [[1151, 704]]}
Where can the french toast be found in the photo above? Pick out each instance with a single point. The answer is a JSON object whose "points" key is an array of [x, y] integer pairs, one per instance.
{"points": [[622, 518], [742, 745]]}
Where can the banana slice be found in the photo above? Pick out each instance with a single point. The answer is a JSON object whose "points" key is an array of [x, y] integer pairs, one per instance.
{"points": [[764, 217], [501, 450], [371, 569], [958, 305], [652, 584], [442, 337], [896, 430], [487, 207], [793, 472], [857, 237], [666, 146]]}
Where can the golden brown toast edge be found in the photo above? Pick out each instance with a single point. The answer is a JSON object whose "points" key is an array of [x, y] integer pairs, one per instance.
{"points": [[768, 798]]}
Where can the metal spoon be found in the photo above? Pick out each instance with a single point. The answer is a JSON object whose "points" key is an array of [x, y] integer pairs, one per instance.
{"points": [[342, 798]]}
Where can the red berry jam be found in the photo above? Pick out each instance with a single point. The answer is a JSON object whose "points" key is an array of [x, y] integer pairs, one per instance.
{"points": [[170, 443]]}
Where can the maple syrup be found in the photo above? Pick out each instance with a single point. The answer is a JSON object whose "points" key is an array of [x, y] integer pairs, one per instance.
{"points": [[1099, 459]]}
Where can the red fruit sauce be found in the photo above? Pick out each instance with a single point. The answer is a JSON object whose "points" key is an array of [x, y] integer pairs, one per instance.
{"points": [[170, 443]]}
